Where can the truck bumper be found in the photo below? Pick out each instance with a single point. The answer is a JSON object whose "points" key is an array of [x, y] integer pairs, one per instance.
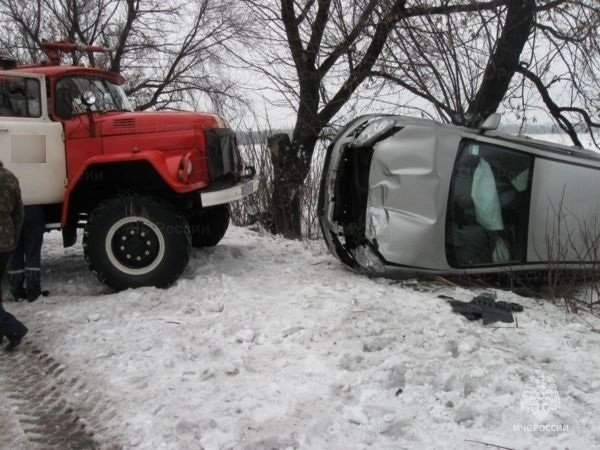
{"points": [[230, 194]]}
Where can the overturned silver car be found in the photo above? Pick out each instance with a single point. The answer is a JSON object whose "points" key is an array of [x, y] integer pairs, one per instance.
{"points": [[402, 196]]}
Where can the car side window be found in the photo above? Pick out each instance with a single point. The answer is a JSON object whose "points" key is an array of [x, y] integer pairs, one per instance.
{"points": [[488, 207], [20, 97]]}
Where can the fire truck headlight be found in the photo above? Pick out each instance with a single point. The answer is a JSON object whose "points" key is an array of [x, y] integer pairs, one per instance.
{"points": [[185, 168]]}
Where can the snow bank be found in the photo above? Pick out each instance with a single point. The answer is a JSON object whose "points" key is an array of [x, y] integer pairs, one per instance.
{"points": [[267, 343]]}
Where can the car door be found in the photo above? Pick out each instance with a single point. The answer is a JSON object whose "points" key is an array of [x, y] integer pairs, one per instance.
{"points": [[31, 145]]}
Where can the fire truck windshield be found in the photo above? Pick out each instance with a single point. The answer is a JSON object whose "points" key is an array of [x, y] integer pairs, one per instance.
{"points": [[69, 96]]}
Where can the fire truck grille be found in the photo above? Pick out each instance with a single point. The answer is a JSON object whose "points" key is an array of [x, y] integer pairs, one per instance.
{"points": [[223, 155], [123, 124]]}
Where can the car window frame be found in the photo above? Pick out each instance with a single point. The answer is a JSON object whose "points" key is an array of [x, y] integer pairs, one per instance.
{"points": [[463, 146]]}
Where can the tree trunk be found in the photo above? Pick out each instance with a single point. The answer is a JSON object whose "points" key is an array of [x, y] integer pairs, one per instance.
{"points": [[504, 62], [287, 186], [291, 160]]}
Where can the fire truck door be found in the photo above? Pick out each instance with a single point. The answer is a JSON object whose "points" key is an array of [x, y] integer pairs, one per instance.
{"points": [[31, 145]]}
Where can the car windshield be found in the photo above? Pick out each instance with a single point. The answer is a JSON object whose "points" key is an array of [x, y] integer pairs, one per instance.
{"points": [[109, 96]]}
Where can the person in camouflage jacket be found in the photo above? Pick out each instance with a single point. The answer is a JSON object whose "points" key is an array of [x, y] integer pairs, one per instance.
{"points": [[11, 220], [11, 210]]}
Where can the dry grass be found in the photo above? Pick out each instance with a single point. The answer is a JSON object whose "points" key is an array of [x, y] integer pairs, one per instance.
{"points": [[256, 209]]}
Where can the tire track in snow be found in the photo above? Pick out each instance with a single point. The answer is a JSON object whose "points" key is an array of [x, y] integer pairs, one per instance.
{"points": [[54, 410]]}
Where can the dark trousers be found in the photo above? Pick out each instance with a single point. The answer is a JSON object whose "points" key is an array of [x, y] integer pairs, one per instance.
{"points": [[24, 266], [10, 327]]}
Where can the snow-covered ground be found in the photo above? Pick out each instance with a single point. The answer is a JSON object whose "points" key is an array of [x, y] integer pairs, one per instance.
{"points": [[268, 343]]}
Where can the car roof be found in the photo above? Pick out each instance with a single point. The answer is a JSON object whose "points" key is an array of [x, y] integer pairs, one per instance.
{"points": [[548, 146], [537, 144]]}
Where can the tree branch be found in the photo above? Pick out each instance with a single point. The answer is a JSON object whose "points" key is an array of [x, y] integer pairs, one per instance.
{"points": [[553, 108], [343, 46], [293, 36], [318, 28], [363, 68]]}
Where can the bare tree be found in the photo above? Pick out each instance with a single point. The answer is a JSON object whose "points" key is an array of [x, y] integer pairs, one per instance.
{"points": [[316, 53], [170, 51], [524, 53], [566, 76]]}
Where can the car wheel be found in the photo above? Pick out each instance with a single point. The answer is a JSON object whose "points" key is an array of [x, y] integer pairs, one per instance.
{"points": [[209, 225], [134, 241]]}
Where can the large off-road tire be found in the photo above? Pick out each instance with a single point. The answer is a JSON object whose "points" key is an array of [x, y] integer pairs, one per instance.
{"points": [[134, 241], [208, 226]]}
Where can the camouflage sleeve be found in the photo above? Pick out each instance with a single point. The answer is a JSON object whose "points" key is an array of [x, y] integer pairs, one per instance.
{"points": [[18, 211]]}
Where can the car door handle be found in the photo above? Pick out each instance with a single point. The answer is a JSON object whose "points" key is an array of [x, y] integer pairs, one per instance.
{"points": [[3, 130]]}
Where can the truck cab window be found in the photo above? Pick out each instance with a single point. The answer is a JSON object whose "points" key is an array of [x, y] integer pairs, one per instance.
{"points": [[69, 94], [20, 97], [488, 206]]}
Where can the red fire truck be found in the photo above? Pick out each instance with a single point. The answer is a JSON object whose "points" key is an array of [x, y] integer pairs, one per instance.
{"points": [[145, 186]]}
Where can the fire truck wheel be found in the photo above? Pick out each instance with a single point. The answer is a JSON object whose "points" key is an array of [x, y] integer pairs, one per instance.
{"points": [[208, 226], [134, 241]]}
